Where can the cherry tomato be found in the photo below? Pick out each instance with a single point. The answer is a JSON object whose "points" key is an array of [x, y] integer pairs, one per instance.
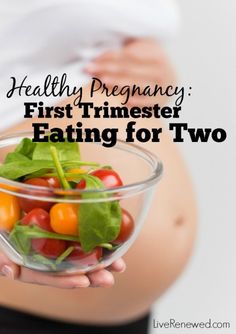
{"points": [[9, 211], [81, 185], [8, 187], [53, 182], [27, 204], [87, 259], [109, 177], [64, 218], [75, 171], [127, 227], [51, 248], [38, 217]]}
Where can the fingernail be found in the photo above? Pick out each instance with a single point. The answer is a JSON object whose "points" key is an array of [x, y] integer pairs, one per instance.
{"points": [[121, 266], [123, 269], [82, 282], [110, 281], [7, 271]]}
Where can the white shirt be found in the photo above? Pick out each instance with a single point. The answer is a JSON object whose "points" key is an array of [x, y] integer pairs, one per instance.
{"points": [[60, 36]]}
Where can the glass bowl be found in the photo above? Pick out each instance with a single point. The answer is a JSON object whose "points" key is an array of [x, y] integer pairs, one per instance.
{"points": [[139, 170]]}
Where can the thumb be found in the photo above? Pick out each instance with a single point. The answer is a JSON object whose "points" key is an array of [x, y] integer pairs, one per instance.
{"points": [[8, 268]]}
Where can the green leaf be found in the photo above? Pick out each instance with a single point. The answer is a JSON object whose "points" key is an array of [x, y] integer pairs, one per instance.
{"points": [[39, 173], [108, 167], [15, 157], [35, 232], [21, 236], [26, 148], [66, 151], [20, 240], [17, 169], [107, 246], [64, 255], [99, 223], [44, 260], [60, 172]]}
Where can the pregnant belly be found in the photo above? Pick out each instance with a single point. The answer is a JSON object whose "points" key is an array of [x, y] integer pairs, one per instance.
{"points": [[153, 263]]}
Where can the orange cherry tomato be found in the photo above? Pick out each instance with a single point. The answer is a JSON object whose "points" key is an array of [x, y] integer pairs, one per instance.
{"points": [[9, 211], [8, 187], [64, 218]]}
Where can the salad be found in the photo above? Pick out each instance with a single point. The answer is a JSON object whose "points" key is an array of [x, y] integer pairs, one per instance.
{"points": [[61, 234]]}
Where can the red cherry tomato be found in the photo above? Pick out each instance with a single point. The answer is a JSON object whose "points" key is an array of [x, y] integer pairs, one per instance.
{"points": [[109, 178], [81, 185], [27, 204], [127, 227], [86, 259], [51, 248], [38, 217], [53, 182]]}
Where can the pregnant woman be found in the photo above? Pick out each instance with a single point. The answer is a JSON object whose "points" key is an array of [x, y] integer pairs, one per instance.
{"points": [[107, 40]]}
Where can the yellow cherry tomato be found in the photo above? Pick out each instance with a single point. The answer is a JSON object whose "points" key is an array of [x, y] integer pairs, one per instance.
{"points": [[75, 171], [64, 218], [9, 211]]}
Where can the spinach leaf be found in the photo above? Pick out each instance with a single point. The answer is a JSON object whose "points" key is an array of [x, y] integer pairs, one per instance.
{"points": [[66, 151], [21, 236], [15, 157], [20, 240], [35, 232], [16, 169], [60, 172], [99, 223], [44, 260], [26, 148], [35, 159], [64, 255]]}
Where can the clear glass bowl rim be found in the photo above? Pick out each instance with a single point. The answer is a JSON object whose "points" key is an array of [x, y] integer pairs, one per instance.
{"points": [[136, 187]]}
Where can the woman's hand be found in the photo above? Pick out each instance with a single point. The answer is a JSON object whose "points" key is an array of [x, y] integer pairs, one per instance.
{"points": [[100, 278], [142, 62]]}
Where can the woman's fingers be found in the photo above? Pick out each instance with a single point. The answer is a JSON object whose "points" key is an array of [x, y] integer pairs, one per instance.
{"points": [[8, 268], [140, 62], [118, 266], [102, 278], [124, 67], [64, 282]]}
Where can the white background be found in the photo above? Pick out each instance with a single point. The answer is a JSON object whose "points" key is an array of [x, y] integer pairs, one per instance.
{"points": [[205, 55]]}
